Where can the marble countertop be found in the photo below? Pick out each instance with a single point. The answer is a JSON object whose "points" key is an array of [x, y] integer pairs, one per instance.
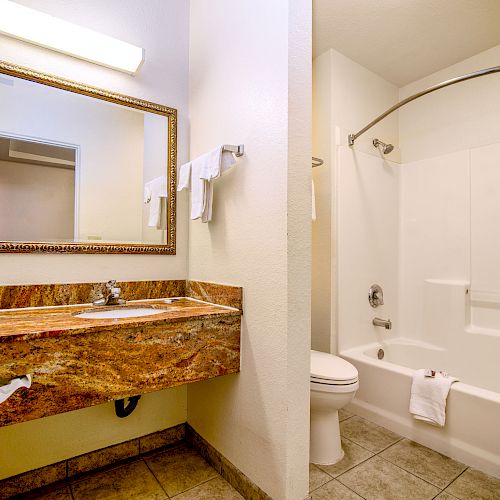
{"points": [[41, 322]]}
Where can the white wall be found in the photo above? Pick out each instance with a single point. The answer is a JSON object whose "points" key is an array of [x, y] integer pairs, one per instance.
{"points": [[462, 116], [250, 83], [37, 202], [162, 28], [361, 195], [323, 228]]}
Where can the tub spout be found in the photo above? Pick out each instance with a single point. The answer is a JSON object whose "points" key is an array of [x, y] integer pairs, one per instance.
{"points": [[386, 323]]}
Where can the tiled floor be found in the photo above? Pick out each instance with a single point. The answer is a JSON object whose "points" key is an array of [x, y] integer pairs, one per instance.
{"points": [[380, 465], [178, 473]]}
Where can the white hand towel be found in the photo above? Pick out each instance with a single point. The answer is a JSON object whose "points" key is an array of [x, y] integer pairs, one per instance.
{"points": [[313, 202], [206, 216], [7, 390], [216, 162], [428, 397], [155, 193], [198, 190], [204, 170], [184, 176]]}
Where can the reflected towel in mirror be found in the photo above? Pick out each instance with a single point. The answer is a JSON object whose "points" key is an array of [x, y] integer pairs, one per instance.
{"points": [[156, 194]]}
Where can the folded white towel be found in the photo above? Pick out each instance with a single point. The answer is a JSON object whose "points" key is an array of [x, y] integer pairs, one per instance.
{"points": [[215, 163], [190, 176], [198, 190], [204, 170], [7, 390], [156, 193], [428, 396], [206, 216], [313, 202]]}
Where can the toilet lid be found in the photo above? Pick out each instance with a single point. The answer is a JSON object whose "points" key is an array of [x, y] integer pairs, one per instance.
{"points": [[325, 366]]}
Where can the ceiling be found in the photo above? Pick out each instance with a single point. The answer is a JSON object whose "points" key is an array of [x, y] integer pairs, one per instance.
{"points": [[405, 40], [36, 153]]}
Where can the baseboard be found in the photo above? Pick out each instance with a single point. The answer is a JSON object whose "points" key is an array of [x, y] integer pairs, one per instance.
{"points": [[92, 461], [237, 479]]}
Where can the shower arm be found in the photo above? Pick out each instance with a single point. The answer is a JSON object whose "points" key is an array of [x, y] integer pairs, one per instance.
{"points": [[446, 83]]}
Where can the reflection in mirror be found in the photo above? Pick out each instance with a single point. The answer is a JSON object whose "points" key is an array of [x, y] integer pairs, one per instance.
{"points": [[37, 191], [74, 168]]}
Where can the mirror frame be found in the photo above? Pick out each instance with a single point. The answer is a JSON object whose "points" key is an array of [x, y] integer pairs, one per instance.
{"points": [[24, 73]]}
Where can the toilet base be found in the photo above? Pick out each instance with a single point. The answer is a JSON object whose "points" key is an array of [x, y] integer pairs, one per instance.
{"points": [[325, 444]]}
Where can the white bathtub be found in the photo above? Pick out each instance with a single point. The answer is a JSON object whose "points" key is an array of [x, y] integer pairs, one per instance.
{"points": [[472, 431]]}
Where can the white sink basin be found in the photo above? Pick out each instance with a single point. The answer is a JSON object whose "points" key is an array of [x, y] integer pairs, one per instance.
{"points": [[126, 312]]}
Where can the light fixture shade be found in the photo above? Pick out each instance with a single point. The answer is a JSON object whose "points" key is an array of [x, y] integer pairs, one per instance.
{"points": [[47, 31]]}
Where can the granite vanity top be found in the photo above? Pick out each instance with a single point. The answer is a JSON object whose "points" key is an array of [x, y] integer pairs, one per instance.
{"points": [[42, 322], [78, 362]]}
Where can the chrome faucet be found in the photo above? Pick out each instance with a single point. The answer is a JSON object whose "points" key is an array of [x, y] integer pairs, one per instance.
{"points": [[386, 323], [111, 296]]}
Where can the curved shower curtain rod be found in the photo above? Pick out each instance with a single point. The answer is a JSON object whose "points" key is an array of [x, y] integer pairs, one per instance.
{"points": [[452, 81]]}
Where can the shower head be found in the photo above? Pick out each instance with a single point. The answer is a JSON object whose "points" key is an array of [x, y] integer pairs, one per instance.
{"points": [[386, 148]]}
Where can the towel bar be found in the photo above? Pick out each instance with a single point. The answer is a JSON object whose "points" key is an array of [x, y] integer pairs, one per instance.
{"points": [[238, 150]]}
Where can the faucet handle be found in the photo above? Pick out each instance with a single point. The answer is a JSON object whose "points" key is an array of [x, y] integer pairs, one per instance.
{"points": [[111, 284], [376, 296]]}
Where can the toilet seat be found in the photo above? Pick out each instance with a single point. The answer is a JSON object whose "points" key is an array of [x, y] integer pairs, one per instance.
{"points": [[328, 369]]}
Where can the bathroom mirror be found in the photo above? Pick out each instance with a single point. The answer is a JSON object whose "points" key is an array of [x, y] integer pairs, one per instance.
{"points": [[82, 169]]}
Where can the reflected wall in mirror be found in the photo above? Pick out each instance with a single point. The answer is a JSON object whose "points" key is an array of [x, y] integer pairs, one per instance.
{"points": [[83, 169]]}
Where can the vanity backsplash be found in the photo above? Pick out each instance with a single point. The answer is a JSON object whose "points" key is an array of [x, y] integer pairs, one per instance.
{"points": [[17, 296]]}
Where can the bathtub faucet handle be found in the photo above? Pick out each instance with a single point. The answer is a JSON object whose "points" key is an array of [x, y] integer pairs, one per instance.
{"points": [[386, 323], [376, 296]]}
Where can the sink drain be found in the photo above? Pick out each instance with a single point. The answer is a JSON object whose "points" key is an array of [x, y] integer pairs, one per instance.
{"points": [[380, 354]]}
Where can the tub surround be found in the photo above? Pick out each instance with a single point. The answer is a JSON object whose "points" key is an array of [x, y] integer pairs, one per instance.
{"points": [[78, 362]]}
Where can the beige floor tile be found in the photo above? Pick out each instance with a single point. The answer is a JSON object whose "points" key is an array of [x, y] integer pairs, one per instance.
{"points": [[61, 492], [180, 469], [445, 496], [215, 489], [366, 434], [332, 490], [377, 479], [424, 462], [317, 477], [131, 481], [344, 414], [353, 455], [475, 485]]}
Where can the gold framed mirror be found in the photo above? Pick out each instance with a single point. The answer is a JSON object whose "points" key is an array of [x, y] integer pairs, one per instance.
{"points": [[83, 169]]}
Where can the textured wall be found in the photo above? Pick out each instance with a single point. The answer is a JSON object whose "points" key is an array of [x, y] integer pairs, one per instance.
{"points": [[250, 82], [455, 118]]}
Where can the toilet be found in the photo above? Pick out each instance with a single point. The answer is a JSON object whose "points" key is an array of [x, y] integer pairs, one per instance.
{"points": [[334, 382]]}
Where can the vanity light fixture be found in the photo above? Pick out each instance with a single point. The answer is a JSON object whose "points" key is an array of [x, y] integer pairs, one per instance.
{"points": [[42, 29]]}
